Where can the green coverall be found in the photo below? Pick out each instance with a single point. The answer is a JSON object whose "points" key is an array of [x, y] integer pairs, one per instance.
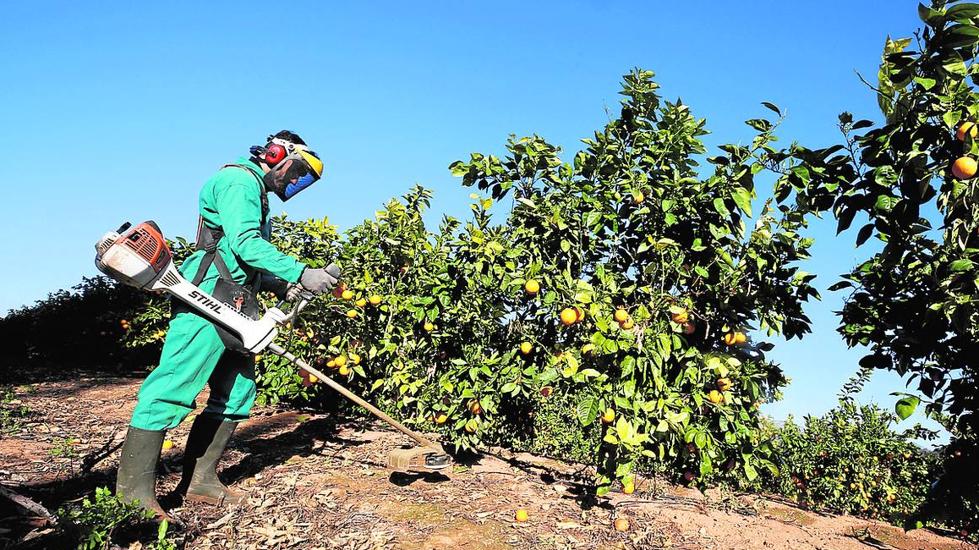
{"points": [[193, 353]]}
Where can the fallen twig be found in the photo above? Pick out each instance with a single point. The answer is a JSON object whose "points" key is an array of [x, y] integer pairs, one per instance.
{"points": [[28, 504]]}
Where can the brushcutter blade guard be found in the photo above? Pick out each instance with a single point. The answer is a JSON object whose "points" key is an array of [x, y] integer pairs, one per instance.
{"points": [[419, 460]]}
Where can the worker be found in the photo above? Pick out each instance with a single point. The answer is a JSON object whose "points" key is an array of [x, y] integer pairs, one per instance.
{"points": [[234, 260]]}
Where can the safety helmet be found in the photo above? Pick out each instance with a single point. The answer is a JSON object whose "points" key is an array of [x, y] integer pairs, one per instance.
{"points": [[292, 166]]}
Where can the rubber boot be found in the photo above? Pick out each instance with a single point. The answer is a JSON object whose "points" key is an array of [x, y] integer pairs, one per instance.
{"points": [[207, 440], [136, 478]]}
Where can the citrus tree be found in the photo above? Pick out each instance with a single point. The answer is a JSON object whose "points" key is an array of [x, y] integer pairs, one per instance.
{"points": [[910, 181], [636, 279]]}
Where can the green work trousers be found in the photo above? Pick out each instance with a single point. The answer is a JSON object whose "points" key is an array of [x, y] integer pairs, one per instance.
{"points": [[194, 355]]}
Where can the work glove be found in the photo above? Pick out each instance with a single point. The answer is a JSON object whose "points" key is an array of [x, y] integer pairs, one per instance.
{"points": [[318, 280], [289, 292]]}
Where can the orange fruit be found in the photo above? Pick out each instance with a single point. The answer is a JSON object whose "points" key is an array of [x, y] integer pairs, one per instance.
{"points": [[629, 487], [627, 325], [620, 315], [966, 128], [428, 326], [521, 515], [360, 302], [579, 314], [338, 290], [964, 168], [354, 358], [638, 197], [546, 391], [608, 416], [332, 363], [347, 294], [723, 384], [715, 397], [740, 338], [734, 338], [167, 444], [441, 418], [258, 358], [621, 524], [375, 299], [680, 317], [340, 361], [475, 407], [526, 348], [568, 316], [531, 287], [344, 370], [352, 313], [313, 379], [689, 328]]}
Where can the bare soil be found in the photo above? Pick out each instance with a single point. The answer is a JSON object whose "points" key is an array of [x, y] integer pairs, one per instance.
{"points": [[319, 482]]}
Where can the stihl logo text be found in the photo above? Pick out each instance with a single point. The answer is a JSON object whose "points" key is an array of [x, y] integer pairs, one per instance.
{"points": [[205, 301]]}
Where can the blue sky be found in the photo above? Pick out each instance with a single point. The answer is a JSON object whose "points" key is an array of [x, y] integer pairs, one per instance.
{"points": [[121, 111]]}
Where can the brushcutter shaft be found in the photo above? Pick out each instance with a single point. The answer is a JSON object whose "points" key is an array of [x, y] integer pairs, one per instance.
{"points": [[421, 440]]}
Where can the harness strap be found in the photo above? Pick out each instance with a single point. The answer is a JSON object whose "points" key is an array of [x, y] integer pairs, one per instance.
{"points": [[208, 237]]}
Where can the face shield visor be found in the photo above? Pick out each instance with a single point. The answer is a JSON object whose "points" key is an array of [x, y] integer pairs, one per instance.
{"points": [[300, 169]]}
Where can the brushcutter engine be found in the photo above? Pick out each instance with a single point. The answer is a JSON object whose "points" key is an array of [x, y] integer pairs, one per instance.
{"points": [[138, 256]]}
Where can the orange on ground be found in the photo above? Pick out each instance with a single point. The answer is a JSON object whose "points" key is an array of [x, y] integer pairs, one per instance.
{"points": [[621, 524], [629, 487], [352, 313], [526, 348], [313, 379], [521, 515], [167, 444], [964, 168], [608, 416], [375, 299], [620, 315], [568, 316], [531, 287], [627, 325], [966, 128], [347, 294]]}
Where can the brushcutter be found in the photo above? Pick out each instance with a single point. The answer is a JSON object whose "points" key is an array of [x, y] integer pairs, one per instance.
{"points": [[139, 256]]}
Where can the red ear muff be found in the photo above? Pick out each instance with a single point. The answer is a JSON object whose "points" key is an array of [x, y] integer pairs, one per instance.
{"points": [[274, 154]]}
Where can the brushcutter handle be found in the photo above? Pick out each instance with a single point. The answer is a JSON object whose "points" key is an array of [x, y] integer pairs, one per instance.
{"points": [[292, 313]]}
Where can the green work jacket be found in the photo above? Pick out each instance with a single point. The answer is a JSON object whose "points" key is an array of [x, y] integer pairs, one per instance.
{"points": [[232, 200]]}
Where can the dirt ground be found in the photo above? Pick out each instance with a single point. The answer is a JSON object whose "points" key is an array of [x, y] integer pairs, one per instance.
{"points": [[314, 482]]}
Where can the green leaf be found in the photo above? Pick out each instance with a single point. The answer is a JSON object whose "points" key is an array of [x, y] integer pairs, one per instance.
{"points": [[749, 472], [772, 107], [967, 10], [958, 266], [905, 407], [926, 83], [742, 198], [587, 410]]}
